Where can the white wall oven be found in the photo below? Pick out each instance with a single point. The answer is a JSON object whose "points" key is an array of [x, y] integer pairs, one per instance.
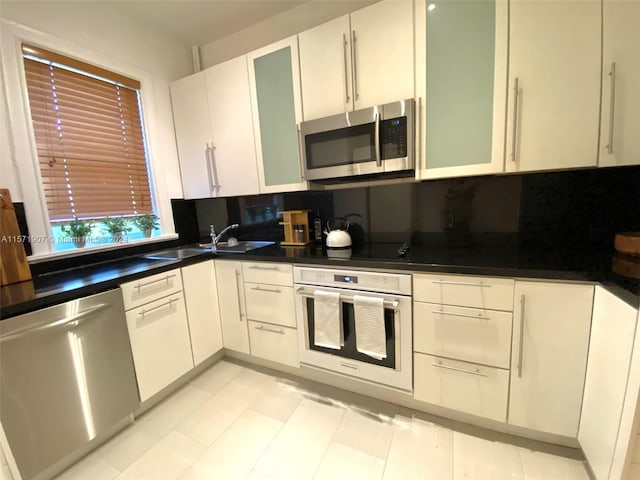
{"points": [[356, 323]]}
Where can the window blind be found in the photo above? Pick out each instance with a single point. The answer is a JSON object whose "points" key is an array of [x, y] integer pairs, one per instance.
{"points": [[89, 138]]}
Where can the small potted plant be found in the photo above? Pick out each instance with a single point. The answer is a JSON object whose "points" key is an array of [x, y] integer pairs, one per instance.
{"points": [[116, 226], [78, 230], [147, 223]]}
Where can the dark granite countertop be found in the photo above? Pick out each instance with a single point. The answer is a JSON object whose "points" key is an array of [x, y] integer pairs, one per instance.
{"points": [[57, 287]]}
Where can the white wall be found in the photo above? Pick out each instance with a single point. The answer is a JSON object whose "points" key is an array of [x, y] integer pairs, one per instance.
{"points": [[290, 22], [99, 33]]}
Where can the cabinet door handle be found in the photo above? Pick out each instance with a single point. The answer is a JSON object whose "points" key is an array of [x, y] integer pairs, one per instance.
{"points": [[467, 284], [142, 313], [377, 140], [522, 324], [265, 329], [260, 289], [456, 369], [348, 365], [146, 284], [465, 315], [215, 186], [514, 130], [612, 106], [346, 79], [258, 267], [355, 64], [238, 290], [207, 162]]}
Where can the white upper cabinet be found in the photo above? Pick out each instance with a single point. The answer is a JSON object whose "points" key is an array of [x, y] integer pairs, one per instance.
{"points": [[620, 121], [233, 154], [193, 134], [461, 73], [214, 132], [358, 60], [274, 74], [549, 355], [554, 84]]}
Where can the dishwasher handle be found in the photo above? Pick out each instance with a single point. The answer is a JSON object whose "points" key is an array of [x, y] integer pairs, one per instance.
{"points": [[56, 323]]}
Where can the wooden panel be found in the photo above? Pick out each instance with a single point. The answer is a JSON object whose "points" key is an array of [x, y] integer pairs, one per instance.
{"points": [[14, 265]]}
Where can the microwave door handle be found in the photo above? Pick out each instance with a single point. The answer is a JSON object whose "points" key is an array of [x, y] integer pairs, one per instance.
{"points": [[377, 140]]}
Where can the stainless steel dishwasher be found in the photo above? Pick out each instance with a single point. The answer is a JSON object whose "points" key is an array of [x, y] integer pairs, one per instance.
{"points": [[66, 376]]}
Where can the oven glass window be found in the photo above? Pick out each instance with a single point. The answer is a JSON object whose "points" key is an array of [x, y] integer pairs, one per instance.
{"points": [[349, 330], [344, 146]]}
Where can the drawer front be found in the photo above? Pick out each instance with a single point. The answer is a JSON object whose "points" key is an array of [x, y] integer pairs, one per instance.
{"points": [[153, 287], [273, 342], [461, 386], [160, 343], [268, 273], [479, 336], [270, 304], [462, 291]]}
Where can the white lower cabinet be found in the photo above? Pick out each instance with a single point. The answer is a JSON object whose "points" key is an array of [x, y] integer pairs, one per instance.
{"points": [[549, 355], [462, 386], [203, 313], [160, 343], [232, 305], [274, 342], [613, 331]]}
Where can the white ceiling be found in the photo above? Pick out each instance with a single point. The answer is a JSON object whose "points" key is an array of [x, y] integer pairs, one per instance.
{"points": [[199, 22]]}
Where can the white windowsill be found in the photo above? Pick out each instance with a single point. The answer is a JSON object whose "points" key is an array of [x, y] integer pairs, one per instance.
{"points": [[89, 251]]}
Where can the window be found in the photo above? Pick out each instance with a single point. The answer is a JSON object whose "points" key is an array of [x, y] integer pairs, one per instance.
{"points": [[90, 144]]}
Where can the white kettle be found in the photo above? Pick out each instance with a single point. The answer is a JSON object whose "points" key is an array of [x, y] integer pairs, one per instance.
{"points": [[337, 238]]}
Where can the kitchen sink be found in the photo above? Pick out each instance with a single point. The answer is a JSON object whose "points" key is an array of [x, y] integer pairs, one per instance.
{"points": [[240, 247], [177, 253]]}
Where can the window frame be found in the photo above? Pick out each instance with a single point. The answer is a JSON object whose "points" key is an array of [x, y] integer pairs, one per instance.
{"points": [[27, 183]]}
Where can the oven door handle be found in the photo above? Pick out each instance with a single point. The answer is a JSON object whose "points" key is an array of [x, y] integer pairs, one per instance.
{"points": [[394, 304]]}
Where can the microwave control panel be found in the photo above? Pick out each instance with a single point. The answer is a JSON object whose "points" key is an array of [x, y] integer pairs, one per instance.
{"points": [[393, 138]]}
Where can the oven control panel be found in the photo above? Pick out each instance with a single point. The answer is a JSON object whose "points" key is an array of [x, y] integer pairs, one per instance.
{"points": [[354, 279]]}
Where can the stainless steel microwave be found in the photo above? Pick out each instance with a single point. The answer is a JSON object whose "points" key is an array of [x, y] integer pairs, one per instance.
{"points": [[375, 140]]}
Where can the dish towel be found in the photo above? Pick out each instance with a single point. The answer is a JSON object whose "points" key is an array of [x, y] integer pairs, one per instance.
{"points": [[370, 332], [327, 322]]}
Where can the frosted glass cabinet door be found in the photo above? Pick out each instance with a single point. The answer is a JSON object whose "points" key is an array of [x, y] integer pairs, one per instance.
{"points": [[464, 85], [274, 72], [620, 121]]}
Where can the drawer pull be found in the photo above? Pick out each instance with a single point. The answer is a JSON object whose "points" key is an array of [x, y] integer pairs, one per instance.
{"points": [[479, 316], [142, 313], [466, 284], [522, 300], [258, 267], [260, 289], [456, 369], [238, 292], [262, 327], [157, 280], [348, 365]]}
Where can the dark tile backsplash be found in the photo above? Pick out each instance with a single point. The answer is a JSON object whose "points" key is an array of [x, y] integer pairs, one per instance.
{"points": [[581, 209]]}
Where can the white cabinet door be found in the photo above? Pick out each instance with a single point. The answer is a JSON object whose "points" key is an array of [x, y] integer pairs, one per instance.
{"points": [[232, 310], [613, 328], [193, 134], [233, 157], [325, 69], [620, 127], [554, 64], [201, 298], [160, 343], [274, 73], [382, 49], [549, 354]]}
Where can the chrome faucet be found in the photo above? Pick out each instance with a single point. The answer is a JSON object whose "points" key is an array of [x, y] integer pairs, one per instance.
{"points": [[216, 238]]}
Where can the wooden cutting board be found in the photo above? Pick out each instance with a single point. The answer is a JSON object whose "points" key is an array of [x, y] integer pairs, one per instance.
{"points": [[13, 259]]}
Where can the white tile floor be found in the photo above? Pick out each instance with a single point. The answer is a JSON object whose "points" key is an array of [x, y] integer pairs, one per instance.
{"points": [[232, 422]]}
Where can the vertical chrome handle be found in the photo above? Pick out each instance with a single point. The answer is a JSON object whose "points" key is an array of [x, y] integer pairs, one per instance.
{"points": [[355, 64], [346, 79], [514, 131], [377, 140], [612, 106], [238, 289], [214, 173], [207, 161], [522, 299]]}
